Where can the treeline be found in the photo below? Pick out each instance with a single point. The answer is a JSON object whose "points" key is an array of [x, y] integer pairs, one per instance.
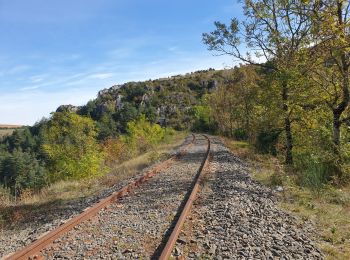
{"points": [[66, 147], [295, 101]]}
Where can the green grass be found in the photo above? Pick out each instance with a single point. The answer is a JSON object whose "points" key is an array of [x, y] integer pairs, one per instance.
{"points": [[328, 208]]}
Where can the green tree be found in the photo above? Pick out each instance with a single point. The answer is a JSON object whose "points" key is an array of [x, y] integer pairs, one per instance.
{"points": [[273, 31], [21, 170], [330, 62], [143, 135], [123, 116], [71, 148]]}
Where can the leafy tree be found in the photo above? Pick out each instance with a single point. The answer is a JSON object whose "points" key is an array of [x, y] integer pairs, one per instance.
{"points": [[234, 103], [71, 148], [107, 127], [126, 114], [151, 113], [143, 135], [203, 121], [330, 62], [274, 31]]}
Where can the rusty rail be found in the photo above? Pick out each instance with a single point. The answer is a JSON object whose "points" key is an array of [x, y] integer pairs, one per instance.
{"points": [[186, 210], [31, 251]]}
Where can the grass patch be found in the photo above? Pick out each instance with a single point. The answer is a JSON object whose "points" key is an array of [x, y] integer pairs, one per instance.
{"points": [[327, 207]]}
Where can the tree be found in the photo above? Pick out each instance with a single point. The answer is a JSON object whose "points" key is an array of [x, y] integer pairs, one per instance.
{"points": [[143, 135], [21, 170], [71, 148], [125, 115], [274, 32], [233, 103], [331, 60]]}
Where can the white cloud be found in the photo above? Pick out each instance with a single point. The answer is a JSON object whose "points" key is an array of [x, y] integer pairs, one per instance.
{"points": [[173, 48], [29, 88], [101, 75], [37, 78]]}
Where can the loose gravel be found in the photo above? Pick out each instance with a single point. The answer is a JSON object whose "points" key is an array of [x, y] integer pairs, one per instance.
{"points": [[16, 236], [136, 226], [235, 217]]}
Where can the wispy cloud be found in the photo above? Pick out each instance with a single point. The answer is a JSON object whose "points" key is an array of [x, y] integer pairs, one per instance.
{"points": [[101, 75], [36, 78], [14, 70], [29, 88]]}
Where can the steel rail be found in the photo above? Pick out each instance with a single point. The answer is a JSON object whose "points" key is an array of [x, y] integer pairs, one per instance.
{"points": [[32, 251], [165, 255]]}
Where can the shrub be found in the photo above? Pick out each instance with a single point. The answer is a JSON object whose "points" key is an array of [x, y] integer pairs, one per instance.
{"points": [[71, 148], [240, 134], [115, 151], [143, 135], [266, 141]]}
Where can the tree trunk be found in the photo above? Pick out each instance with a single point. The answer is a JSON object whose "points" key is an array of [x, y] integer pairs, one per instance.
{"points": [[338, 111], [289, 140], [287, 126], [336, 128]]}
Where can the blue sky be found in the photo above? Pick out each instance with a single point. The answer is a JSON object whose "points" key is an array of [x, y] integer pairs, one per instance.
{"points": [[55, 52]]}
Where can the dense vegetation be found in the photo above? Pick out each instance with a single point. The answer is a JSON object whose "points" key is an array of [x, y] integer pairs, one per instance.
{"points": [[297, 101]]}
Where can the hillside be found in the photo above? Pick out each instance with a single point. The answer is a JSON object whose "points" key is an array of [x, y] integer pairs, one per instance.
{"points": [[166, 101]]}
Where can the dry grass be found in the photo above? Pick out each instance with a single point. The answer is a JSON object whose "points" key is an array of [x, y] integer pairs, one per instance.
{"points": [[328, 209], [65, 191], [7, 131]]}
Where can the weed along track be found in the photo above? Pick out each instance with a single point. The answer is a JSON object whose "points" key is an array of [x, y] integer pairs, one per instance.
{"points": [[135, 222]]}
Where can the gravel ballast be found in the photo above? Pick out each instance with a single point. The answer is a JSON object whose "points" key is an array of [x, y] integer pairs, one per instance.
{"points": [[235, 217]]}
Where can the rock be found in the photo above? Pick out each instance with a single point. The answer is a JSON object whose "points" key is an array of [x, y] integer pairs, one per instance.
{"points": [[67, 108]]}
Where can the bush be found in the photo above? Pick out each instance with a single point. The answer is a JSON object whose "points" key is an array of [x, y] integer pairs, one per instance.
{"points": [[240, 134], [115, 151], [71, 148], [266, 141], [143, 135]]}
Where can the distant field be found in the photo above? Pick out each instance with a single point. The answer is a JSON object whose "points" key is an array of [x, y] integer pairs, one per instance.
{"points": [[4, 132], [7, 129], [10, 126]]}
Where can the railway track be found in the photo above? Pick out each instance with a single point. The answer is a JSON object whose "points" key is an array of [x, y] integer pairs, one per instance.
{"points": [[143, 219]]}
